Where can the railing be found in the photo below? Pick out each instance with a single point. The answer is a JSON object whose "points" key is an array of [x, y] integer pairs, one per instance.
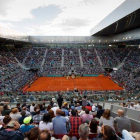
{"points": [[134, 115]]}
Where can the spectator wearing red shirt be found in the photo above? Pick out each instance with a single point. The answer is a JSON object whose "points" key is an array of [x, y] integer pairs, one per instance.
{"points": [[89, 108], [75, 122]]}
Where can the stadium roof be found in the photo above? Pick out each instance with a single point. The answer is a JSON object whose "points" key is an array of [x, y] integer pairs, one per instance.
{"points": [[124, 18]]}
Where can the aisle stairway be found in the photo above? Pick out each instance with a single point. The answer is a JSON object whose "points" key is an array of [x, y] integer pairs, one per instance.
{"points": [[62, 59], [43, 61], [26, 56], [123, 62], [98, 57], [81, 60]]}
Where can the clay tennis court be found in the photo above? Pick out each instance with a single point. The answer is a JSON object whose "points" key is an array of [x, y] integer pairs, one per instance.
{"points": [[82, 83]]}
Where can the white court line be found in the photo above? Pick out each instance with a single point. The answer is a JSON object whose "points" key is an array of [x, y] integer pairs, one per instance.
{"points": [[86, 83], [99, 86], [97, 83], [51, 83]]}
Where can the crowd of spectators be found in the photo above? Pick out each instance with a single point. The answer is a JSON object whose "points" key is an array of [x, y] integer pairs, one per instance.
{"points": [[77, 120], [121, 53], [7, 64], [18, 96], [89, 57], [53, 57], [13, 77], [71, 57], [129, 75], [35, 57], [107, 57]]}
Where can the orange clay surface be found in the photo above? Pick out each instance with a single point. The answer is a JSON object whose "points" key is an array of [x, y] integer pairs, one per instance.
{"points": [[82, 83]]}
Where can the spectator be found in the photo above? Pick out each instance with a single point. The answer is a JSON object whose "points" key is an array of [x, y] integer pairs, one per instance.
{"points": [[44, 105], [26, 126], [51, 113], [59, 123], [32, 134], [86, 117], [132, 106], [6, 120], [27, 112], [60, 101], [122, 122], [54, 108], [100, 111], [63, 114], [23, 116], [82, 111], [84, 131], [1, 107], [93, 108], [12, 132], [84, 101], [89, 107], [46, 123], [137, 106], [18, 107], [44, 110], [131, 135], [93, 125], [24, 105], [78, 107], [51, 103], [38, 117], [48, 107], [65, 104], [6, 110], [75, 122], [107, 133], [32, 108], [106, 119], [34, 113], [65, 110], [15, 115], [44, 135]]}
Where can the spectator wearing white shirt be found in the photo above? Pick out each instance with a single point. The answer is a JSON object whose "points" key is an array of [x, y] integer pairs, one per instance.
{"points": [[32, 108], [82, 111], [132, 106], [94, 112], [93, 108], [54, 108], [46, 123], [137, 106], [106, 119], [15, 115]]}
